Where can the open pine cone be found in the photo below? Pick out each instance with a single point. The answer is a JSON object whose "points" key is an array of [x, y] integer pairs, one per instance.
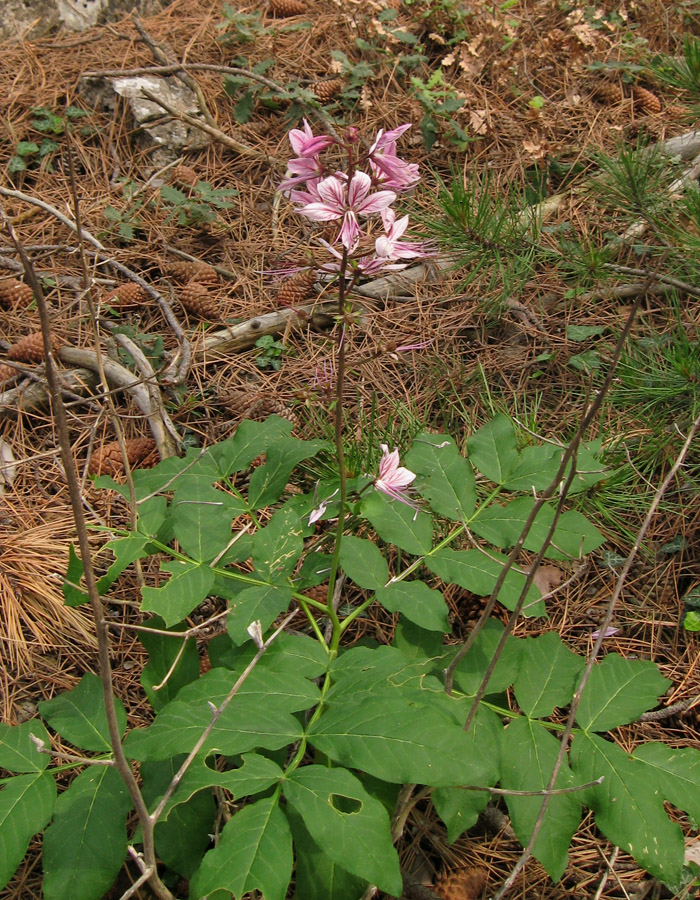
{"points": [[108, 459], [197, 300], [15, 293]]}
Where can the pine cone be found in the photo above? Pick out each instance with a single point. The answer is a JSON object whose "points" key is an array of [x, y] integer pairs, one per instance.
{"points": [[326, 90], [645, 101], [297, 288], [191, 270], [608, 92], [184, 176], [30, 348], [127, 294], [15, 293], [273, 406], [242, 404], [7, 374], [108, 460], [318, 592], [287, 7], [467, 883], [196, 299]]}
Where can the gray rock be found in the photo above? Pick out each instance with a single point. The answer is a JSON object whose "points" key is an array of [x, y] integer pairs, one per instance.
{"points": [[164, 136], [30, 19]]}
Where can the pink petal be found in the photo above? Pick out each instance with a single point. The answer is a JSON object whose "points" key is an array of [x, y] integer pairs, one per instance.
{"points": [[376, 202], [358, 188], [320, 212], [332, 190], [350, 231]]}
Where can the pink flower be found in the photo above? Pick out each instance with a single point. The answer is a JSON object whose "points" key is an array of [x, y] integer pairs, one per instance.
{"points": [[387, 166], [307, 170], [393, 479], [304, 143], [346, 201], [389, 246]]}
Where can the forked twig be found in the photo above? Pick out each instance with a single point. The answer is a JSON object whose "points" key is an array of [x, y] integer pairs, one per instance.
{"points": [[96, 603], [604, 625]]}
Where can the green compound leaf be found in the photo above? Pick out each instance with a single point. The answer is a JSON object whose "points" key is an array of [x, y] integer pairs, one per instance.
{"points": [[676, 772], [260, 715], [202, 517], [419, 603], [399, 524], [255, 775], [153, 515], [26, 805], [262, 603], [297, 654], [250, 440], [493, 449], [472, 668], [85, 846], [278, 546], [449, 487], [190, 583], [353, 827], [535, 469], [254, 853], [477, 572], [363, 562], [400, 740], [79, 715], [618, 691], [458, 809], [269, 480], [126, 550], [527, 761], [18, 752], [573, 537], [316, 876], [164, 653], [363, 671], [628, 805], [547, 676]]}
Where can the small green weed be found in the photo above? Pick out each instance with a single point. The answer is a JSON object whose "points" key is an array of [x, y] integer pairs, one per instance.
{"points": [[271, 350]]}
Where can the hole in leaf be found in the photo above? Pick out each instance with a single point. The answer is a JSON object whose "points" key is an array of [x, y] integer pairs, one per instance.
{"points": [[348, 805]]}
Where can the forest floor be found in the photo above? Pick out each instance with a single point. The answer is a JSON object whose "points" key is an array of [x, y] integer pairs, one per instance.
{"points": [[526, 93]]}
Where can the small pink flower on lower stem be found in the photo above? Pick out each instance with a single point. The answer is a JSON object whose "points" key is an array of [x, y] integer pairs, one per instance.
{"points": [[393, 479]]}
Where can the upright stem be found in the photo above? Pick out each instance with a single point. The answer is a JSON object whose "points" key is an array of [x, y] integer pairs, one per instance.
{"points": [[101, 628], [340, 455]]}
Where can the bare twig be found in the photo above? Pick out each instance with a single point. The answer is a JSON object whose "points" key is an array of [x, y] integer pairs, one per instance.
{"points": [[216, 715], [96, 604], [212, 131], [604, 625]]}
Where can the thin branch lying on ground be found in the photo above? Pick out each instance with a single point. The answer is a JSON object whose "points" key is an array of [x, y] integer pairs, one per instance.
{"points": [[120, 377]]}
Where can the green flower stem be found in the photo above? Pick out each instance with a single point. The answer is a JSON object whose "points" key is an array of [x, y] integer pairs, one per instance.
{"points": [[340, 453], [302, 601]]}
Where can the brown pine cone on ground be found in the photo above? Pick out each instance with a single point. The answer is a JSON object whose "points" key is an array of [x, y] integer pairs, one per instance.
{"points": [[191, 270], [127, 294], [242, 404], [326, 90], [645, 101], [608, 92], [184, 175], [287, 7], [466, 883], [108, 459], [197, 300], [297, 288], [7, 374], [30, 348], [15, 293]]}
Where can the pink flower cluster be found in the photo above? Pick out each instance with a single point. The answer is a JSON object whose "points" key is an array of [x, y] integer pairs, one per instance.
{"points": [[369, 186]]}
